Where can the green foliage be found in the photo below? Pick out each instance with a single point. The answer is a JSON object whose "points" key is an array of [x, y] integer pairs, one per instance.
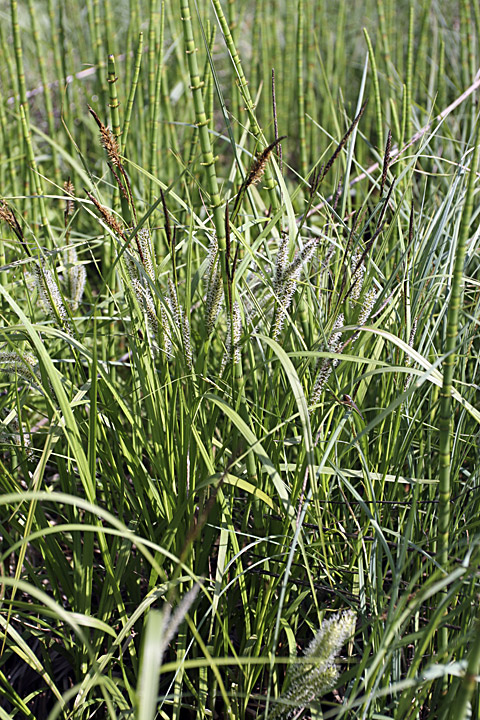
{"points": [[238, 358]]}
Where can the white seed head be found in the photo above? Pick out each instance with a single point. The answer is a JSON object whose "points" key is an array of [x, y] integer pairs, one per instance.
{"points": [[358, 274], [309, 681], [367, 307], [51, 298], [280, 263], [145, 243]]}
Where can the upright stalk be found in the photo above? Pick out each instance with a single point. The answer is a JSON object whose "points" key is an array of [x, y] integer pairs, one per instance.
{"points": [[445, 422], [245, 93]]}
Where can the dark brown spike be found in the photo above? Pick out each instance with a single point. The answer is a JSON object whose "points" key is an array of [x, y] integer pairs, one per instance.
{"points": [[168, 231], [8, 216], [343, 141], [227, 236], [385, 205], [260, 163], [386, 161], [410, 225]]}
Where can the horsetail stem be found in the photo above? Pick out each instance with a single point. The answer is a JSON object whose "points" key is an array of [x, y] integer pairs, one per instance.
{"points": [[113, 102], [448, 366], [133, 89], [376, 89], [245, 93], [301, 90]]}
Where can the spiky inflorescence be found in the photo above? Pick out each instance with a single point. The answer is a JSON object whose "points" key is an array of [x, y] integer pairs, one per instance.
{"points": [[107, 216], [281, 262], [142, 293], [214, 287], [77, 276], [166, 340], [51, 298], [308, 681], [237, 332], [260, 163], [24, 365], [7, 215], [17, 433], [144, 244], [107, 139], [288, 284], [408, 360], [358, 274], [367, 307], [326, 367], [69, 201], [181, 322]]}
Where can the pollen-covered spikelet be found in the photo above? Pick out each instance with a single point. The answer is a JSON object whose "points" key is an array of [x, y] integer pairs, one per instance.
{"points": [[233, 348], [166, 340], [24, 365], [187, 345], [358, 274], [288, 284], [367, 306], [142, 293], [145, 249], [181, 322], [408, 359], [107, 139], [214, 287], [15, 432], [326, 366], [50, 297], [77, 276], [308, 681], [281, 262]]}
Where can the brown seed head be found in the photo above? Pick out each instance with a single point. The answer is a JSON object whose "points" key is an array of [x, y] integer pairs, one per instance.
{"points": [[70, 191], [107, 139], [112, 223]]}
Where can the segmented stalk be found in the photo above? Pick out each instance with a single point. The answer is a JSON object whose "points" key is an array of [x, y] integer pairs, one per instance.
{"points": [[301, 92], [36, 175], [156, 105], [202, 125], [245, 93], [47, 91], [133, 89], [113, 101], [445, 420], [376, 90]]}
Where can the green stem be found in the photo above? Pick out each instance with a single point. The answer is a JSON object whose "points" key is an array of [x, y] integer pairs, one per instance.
{"points": [[445, 421], [245, 93]]}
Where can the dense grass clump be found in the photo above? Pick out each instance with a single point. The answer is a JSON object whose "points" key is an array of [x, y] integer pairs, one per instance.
{"points": [[239, 357]]}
